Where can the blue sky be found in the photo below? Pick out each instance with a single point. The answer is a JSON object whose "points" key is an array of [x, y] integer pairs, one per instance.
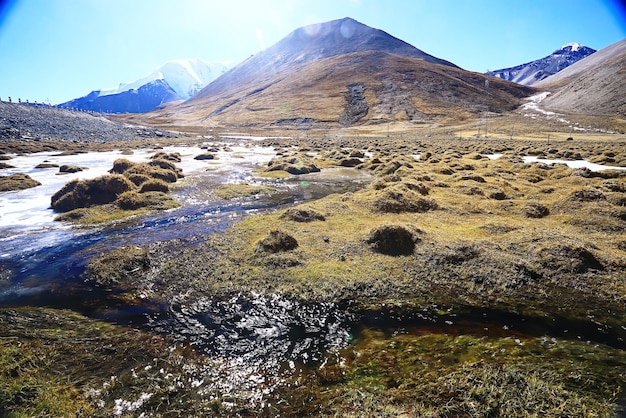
{"points": [[57, 50]]}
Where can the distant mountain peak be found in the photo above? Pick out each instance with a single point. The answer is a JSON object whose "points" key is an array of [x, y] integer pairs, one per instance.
{"points": [[312, 43], [185, 76], [532, 72], [177, 79], [341, 36]]}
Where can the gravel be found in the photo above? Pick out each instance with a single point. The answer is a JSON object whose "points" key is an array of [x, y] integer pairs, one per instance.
{"points": [[24, 122]]}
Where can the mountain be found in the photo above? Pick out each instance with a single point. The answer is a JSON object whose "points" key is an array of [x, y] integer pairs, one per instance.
{"points": [[595, 85], [341, 73], [313, 43], [145, 98], [174, 80], [532, 72]]}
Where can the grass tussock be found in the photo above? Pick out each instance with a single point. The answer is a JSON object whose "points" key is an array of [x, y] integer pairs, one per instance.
{"points": [[492, 247], [130, 189], [542, 241], [17, 182]]}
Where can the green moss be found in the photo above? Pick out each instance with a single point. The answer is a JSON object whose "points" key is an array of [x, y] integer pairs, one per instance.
{"points": [[443, 375], [57, 363]]}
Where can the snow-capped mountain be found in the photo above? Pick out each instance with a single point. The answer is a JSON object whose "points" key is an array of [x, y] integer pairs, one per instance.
{"points": [[174, 80], [535, 71]]}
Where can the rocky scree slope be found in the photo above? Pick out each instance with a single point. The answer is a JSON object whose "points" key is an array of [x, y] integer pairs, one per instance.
{"points": [[29, 122], [533, 72]]}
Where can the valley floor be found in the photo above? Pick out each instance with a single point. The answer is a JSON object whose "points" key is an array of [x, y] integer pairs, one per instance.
{"points": [[476, 283]]}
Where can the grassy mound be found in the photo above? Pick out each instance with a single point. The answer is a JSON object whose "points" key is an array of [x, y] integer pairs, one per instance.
{"points": [[277, 241], [17, 182], [302, 215], [129, 189], [392, 240], [294, 164], [86, 193]]}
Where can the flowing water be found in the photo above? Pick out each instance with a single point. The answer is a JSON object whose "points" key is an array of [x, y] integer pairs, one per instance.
{"points": [[41, 262]]}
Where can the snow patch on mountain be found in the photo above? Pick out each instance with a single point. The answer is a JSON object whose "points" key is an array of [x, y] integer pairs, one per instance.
{"points": [[185, 76], [573, 46]]}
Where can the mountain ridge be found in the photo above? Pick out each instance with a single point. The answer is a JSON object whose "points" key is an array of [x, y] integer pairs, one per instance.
{"points": [[175, 80], [533, 72], [342, 73], [314, 42], [595, 85]]}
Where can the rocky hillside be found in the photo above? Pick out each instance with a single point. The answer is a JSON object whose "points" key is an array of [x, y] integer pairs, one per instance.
{"points": [[595, 85], [29, 122], [533, 72]]}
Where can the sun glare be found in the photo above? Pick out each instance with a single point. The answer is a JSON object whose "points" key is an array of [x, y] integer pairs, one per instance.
{"points": [[259, 37], [347, 29]]}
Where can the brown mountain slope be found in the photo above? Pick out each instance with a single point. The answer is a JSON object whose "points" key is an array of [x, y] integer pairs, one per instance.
{"points": [[595, 85], [309, 44], [348, 89], [341, 73]]}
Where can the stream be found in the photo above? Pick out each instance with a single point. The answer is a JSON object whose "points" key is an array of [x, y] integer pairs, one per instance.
{"points": [[41, 262]]}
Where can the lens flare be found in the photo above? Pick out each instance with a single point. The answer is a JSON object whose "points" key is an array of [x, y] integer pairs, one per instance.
{"points": [[347, 29]]}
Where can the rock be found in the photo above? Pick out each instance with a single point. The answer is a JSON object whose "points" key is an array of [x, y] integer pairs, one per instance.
{"points": [[5, 165], [205, 156], [47, 165], [70, 169]]}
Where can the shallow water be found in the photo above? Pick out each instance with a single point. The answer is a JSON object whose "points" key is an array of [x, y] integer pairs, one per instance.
{"points": [[41, 262]]}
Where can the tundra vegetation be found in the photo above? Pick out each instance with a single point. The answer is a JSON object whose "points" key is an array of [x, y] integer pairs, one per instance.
{"points": [[130, 189], [445, 228], [17, 182]]}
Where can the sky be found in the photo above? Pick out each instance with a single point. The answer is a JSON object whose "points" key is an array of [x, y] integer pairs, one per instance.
{"points": [[57, 50]]}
